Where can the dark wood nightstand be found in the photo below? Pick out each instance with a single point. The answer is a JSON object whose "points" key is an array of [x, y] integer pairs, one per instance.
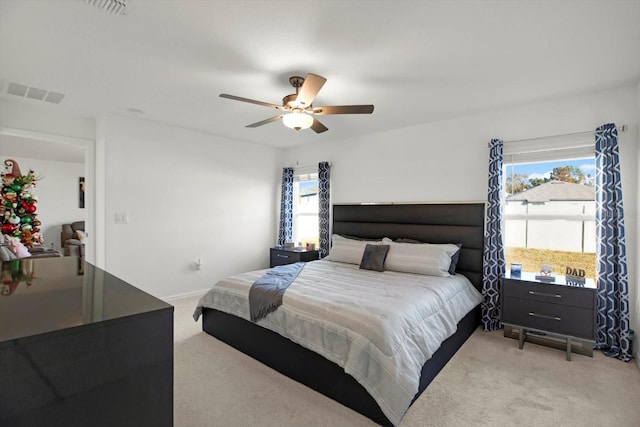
{"points": [[553, 314], [282, 256]]}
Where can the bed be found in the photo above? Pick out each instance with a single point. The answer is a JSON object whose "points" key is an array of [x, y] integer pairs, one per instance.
{"points": [[434, 223]]}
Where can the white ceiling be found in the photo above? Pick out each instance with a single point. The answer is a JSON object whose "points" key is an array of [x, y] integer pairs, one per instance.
{"points": [[416, 61]]}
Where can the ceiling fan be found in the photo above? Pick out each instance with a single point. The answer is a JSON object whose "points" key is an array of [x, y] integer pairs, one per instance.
{"points": [[298, 110]]}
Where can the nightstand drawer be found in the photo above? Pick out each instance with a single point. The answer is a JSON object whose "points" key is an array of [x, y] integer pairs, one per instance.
{"points": [[285, 256], [574, 321], [543, 292]]}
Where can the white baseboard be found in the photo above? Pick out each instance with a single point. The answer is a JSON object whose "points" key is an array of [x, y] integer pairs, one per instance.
{"points": [[185, 295]]}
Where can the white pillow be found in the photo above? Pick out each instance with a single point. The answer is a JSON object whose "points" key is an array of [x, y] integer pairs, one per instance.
{"points": [[348, 250], [419, 258], [81, 235]]}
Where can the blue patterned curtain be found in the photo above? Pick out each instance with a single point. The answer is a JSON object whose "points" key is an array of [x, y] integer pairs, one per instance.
{"points": [[493, 262], [612, 323], [285, 232], [323, 196]]}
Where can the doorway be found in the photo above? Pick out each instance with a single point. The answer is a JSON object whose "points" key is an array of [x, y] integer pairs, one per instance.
{"points": [[59, 164]]}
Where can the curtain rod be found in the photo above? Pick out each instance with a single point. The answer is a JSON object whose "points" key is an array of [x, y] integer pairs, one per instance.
{"points": [[622, 128], [306, 166]]}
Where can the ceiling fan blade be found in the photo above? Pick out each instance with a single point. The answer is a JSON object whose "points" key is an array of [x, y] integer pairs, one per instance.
{"points": [[344, 109], [252, 101], [318, 127], [310, 88], [264, 122]]}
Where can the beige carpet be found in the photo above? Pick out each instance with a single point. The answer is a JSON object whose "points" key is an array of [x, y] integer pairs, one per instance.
{"points": [[489, 382]]}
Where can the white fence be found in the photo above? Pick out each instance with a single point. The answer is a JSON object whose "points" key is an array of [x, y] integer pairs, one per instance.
{"points": [[561, 226]]}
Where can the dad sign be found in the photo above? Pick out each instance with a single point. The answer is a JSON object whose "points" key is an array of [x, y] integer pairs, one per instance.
{"points": [[575, 276]]}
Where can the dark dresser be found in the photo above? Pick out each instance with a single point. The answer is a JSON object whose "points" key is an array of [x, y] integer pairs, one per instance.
{"points": [[80, 347], [281, 256], [554, 314]]}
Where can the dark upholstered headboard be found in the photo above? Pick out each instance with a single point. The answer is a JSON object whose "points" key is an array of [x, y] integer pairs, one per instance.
{"points": [[429, 223]]}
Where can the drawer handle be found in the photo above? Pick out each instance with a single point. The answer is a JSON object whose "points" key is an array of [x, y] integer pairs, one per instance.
{"points": [[544, 316], [282, 256], [544, 294]]}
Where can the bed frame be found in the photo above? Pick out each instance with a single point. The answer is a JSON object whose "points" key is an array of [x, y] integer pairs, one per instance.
{"points": [[433, 223]]}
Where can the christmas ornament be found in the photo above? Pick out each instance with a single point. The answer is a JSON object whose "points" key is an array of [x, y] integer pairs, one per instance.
{"points": [[12, 166], [27, 238], [8, 179], [7, 228]]}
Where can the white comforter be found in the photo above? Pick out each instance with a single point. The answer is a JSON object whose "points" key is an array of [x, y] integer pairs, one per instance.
{"points": [[380, 327]]}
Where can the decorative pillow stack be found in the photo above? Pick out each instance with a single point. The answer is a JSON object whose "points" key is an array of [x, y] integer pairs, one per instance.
{"points": [[402, 255]]}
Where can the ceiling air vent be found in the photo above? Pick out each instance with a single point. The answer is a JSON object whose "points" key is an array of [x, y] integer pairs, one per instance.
{"points": [[114, 7], [33, 93], [16, 89]]}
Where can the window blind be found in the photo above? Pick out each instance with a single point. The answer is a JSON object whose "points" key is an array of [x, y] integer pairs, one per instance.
{"points": [[549, 148]]}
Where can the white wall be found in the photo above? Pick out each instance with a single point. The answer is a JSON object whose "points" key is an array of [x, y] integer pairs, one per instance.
{"points": [[57, 192], [188, 196], [447, 161]]}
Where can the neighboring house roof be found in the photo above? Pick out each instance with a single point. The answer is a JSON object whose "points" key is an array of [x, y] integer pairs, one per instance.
{"points": [[554, 191]]}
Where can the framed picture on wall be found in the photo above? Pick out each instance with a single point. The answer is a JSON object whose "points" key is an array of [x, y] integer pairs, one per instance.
{"points": [[81, 192]]}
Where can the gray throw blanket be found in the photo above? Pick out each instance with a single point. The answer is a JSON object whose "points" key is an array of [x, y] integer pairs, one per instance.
{"points": [[266, 293]]}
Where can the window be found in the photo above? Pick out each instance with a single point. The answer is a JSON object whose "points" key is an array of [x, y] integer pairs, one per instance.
{"points": [[305, 209], [549, 207]]}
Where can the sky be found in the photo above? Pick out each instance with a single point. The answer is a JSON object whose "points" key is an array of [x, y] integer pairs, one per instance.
{"points": [[304, 185], [543, 170]]}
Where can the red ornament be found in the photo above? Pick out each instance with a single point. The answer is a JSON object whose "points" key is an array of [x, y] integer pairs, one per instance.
{"points": [[7, 228], [31, 208]]}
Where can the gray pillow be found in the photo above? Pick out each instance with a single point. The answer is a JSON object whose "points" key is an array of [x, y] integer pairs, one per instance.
{"points": [[373, 257], [454, 259]]}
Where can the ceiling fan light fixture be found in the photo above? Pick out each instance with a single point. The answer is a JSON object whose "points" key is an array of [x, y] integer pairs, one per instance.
{"points": [[297, 120], [297, 108]]}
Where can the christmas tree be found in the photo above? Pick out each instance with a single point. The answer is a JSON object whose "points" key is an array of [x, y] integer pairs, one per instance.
{"points": [[18, 205]]}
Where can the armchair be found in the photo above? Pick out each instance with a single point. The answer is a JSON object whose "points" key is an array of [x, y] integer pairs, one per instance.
{"points": [[71, 241]]}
